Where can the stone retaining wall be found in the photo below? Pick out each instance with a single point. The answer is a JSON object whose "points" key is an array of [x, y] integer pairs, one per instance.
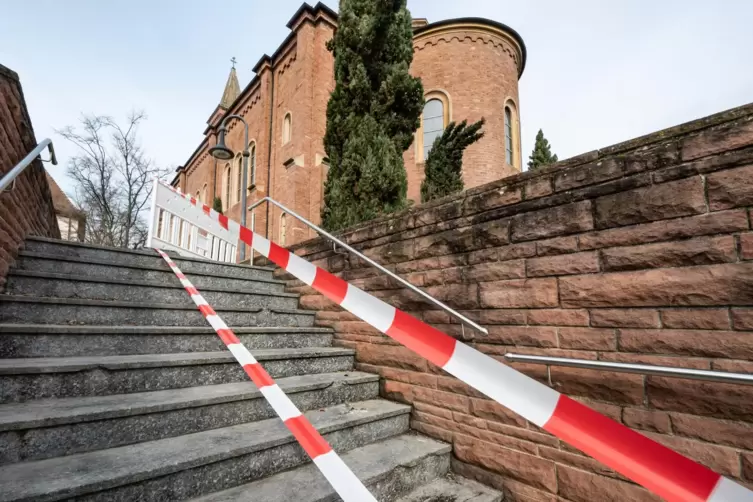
{"points": [[27, 209], [640, 252]]}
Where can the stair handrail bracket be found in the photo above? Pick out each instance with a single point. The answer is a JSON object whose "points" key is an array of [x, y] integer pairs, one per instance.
{"points": [[10, 177], [658, 468]]}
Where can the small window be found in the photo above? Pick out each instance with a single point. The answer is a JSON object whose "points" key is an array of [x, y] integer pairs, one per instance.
{"points": [[508, 136], [228, 180], [286, 129], [238, 178], [198, 196], [204, 194], [252, 163], [283, 228], [433, 123]]}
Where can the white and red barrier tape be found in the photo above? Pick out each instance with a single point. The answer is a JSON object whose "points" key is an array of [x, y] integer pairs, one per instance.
{"points": [[339, 475], [661, 470]]}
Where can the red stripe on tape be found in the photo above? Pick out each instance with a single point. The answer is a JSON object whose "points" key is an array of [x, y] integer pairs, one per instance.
{"points": [[421, 338], [193, 201], [227, 336], [330, 285], [192, 290], [207, 310], [656, 467], [279, 255], [259, 375], [247, 236], [311, 441], [180, 275], [206, 209], [223, 220]]}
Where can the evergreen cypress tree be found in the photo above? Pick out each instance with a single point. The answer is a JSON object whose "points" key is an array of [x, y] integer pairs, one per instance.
{"points": [[372, 113], [542, 153], [217, 205], [444, 166]]}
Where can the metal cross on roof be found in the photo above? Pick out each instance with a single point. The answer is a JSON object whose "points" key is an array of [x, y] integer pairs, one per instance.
{"points": [[232, 60]]}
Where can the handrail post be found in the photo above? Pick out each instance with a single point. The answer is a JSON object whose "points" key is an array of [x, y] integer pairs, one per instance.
{"points": [[10, 177], [371, 262]]}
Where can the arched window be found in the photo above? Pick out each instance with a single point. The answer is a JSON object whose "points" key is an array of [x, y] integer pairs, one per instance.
{"points": [[287, 125], [198, 196], [238, 178], [283, 228], [228, 181], [512, 135], [204, 194], [433, 121], [252, 163]]}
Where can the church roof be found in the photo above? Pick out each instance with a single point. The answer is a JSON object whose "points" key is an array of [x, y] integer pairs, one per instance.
{"points": [[232, 89]]}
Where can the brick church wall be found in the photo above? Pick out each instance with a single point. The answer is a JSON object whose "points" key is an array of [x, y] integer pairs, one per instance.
{"points": [[639, 252], [27, 209]]}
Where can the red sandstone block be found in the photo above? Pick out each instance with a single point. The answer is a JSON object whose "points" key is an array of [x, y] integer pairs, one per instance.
{"points": [[495, 271], [717, 400], [577, 461], [447, 400], [558, 245], [521, 293], [742, 318], [550, 222], [747, 466], [512, 251], [717, 140], [533, 336], [398, 391], [625, 318], [724, 284], [589, 174], [700, 251], [721, 459], [696, 318], [432, 431], [621, 388], [731, 188], [491, 410], [577, 263], [491, 199], [538, 187], [697, 343], [656, 202], [721, 432], [588, 338], [385, 355], [647, 420], [657, 360], [558, 317], [580, 486]]}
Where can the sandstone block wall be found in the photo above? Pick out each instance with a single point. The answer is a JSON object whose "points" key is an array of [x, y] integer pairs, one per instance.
{"points": [[28, 208], [639, 252]]}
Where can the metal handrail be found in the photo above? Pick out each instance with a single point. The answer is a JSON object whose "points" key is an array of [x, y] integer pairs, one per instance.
{"points": [[13, 173], [646, 369], [371, 262]]}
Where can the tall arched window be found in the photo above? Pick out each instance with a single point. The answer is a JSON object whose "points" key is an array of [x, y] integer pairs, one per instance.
{"points": [[283, 228], [204, 194], [228, 181], [433, 124], [252, 163], [287, 125], [512, 135], [508, 135], [238, 177], [198, 196]]}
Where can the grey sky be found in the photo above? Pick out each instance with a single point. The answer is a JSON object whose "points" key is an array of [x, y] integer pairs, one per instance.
{"points": [[598, 72]]}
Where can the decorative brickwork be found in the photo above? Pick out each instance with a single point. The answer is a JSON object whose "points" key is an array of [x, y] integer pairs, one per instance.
{"points": [[27, 209], [639, 252]]}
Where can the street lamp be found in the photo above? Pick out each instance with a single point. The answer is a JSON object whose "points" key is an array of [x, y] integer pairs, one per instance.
{"points": [[221, 152]]}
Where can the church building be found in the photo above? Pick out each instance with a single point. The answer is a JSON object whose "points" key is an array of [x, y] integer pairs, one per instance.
{"points": [[469, 68]]}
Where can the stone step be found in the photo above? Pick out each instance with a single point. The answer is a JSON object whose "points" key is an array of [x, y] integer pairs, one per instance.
{"points": [[142, 257], [389, 468], [39, 378], [33, 283], [196, 464], [158, 272], [46, 310], [54, 427], [452, 488], [52, 340]]}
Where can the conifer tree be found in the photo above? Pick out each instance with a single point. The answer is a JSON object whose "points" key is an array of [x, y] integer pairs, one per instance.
{"points": [[542, 153], [217, 205], [444, 166], [372, 113]]}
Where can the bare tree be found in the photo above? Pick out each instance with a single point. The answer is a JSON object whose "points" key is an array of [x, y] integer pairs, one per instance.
{"points": [[112, 177]]}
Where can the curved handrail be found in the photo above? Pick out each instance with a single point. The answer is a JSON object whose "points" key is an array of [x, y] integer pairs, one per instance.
{"points": [[18, 169], [371, 262], [643, 369]]}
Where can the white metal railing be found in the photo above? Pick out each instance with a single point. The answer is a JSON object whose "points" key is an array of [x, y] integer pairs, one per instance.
{"points": [[10, 177], [176, 225]]}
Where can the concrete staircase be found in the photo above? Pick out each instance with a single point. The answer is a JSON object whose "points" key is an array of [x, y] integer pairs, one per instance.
{"points": [[114, 388]]}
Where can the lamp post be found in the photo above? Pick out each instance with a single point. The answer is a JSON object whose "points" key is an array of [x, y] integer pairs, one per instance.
{"points": [[221, 152]]}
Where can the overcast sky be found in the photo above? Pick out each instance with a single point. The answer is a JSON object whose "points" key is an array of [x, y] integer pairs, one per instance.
{"points": [[598, 72]]}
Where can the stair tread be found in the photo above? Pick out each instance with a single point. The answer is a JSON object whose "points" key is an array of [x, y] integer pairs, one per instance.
{"points": [[454, 488], [81, 473], [306, 484], [141, 252], [79, 363], [18, 272], [53, 329], [156, 267], [50, 412], [125, 304]]}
